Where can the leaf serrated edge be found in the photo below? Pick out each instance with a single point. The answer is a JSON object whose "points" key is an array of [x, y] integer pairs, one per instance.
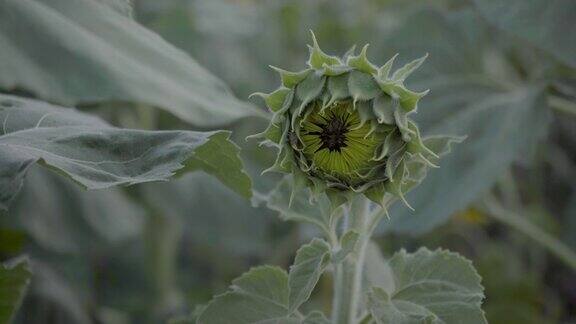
{"points": [[444, 252]]}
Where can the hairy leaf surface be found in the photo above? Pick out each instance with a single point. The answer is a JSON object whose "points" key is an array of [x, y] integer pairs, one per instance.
{"points": [[429, 287], [548, 25], [84, 52], [97, 155], [503, 118], [268, 294]]}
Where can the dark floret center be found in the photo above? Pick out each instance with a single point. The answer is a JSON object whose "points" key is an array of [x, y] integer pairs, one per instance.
{"points": [[333, 134]]}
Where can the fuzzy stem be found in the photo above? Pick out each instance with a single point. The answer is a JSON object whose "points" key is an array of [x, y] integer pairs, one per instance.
{"points": [[338, 315], [356, 288], [339, 285], [348, 274], [162, 237]]}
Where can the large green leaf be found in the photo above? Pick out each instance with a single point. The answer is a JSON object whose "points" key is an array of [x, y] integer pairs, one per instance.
{"points": [[84, 52], [14, 279], [502, 119], [257, 296], [97, 155], [219, 157], [547, 24], [311, 261], [501, 129], [429, 287], [268, 294], [316, 317]]}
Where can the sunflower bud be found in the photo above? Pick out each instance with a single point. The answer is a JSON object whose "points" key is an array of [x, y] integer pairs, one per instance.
{"points": [[342, 126]]}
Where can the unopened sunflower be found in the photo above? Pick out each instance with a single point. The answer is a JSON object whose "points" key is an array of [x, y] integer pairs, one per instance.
{"points": [[342, 126]]}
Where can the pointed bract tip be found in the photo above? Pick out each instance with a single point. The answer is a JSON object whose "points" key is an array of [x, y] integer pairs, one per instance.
{"points": [[258, 94], [384, 70], [350, 51], [254, 136], [311, 49], [314, 41], [422, 59], [406, 202], [386, 211], [275, 68]]}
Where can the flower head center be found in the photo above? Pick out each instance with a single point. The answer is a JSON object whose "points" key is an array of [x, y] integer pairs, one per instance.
{"points": [[333, 134], [336, 143]]}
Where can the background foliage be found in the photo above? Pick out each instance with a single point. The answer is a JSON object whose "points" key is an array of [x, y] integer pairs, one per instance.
{"points": [[501, 72]]}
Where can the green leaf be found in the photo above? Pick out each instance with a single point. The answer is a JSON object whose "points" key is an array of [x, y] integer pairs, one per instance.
{"points": [[267, 294], [347, 244], [97, 155], [257, 296], [220, 158], [548, 25], [84, 52], [266, 282], [311, 261], [14, 279], [429, 287], [316, 317], [502, 124], [491, 146]]}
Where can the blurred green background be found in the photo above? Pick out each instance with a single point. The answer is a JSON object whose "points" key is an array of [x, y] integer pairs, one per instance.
{"points": [[501, 72]]}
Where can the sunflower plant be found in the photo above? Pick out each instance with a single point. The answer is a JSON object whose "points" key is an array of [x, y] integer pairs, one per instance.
{"points": [[349, 148]]}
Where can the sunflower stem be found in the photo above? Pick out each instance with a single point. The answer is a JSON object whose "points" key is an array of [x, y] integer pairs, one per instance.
{"points": [[348, 274]]}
